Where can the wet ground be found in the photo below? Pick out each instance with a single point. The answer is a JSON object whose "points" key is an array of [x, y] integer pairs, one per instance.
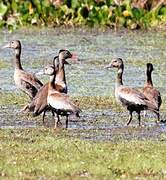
{"points": [[88, 78]]}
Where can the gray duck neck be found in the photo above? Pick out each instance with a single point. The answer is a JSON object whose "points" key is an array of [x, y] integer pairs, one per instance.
{"points": [[17, 60], [52, 81], [119, 80]]}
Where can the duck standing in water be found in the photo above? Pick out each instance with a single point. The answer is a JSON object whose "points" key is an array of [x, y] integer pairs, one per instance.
{"points": [[130, 98], [150, 91], [39, 103], [25, 81], [59, 102]]}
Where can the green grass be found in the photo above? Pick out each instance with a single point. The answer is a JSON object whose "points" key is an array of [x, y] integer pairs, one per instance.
{"points": [[9, 98], [4, 64], [37, 153], [97, 102], [85, 102]]}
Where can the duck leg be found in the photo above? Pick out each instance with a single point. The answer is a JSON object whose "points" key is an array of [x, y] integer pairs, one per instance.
{"points": [[139, 118], [59, 124], [67, 120], [24, 109], [56, 121], [130, 118], [44, 114], [158, 117], [53, 114]]}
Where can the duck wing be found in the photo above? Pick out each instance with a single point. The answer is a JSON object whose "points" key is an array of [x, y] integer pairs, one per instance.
{"points": [[31, 79], [61, 101], [27, 83], [39, 102], [28, 88], [153, 95], [131, 96]]}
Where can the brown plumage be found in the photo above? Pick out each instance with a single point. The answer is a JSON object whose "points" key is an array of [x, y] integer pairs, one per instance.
{"points": [[130, 98], [39, 103], [60, 102], [150, 91], [28, 83]]}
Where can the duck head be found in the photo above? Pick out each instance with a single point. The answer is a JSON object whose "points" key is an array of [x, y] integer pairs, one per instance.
{"points": [[16, 44], [115, 63], [66, 54]]}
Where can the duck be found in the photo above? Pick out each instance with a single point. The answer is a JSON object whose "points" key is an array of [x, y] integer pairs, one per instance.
{"points": [[59, 102], [131, 98], [150, 91], [39, 102], [25, 81]]}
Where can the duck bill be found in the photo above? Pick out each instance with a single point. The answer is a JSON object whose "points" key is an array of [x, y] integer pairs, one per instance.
{"points": [[108, 66], [74, 57], [6, 46]]}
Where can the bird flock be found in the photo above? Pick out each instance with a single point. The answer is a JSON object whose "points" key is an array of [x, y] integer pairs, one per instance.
{"points": [[53, 97]]}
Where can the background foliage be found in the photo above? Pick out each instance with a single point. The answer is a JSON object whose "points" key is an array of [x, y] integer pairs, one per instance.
{"points": [[112, 13]]}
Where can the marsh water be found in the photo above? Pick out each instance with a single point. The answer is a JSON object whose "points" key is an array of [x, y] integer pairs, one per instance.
{"points": [[87, 78]]}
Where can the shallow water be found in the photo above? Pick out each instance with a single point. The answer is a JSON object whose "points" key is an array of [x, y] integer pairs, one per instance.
{"points": [[87, 77]]}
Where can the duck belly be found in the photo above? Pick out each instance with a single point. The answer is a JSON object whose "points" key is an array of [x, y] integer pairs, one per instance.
{"points": [[17, 79]]}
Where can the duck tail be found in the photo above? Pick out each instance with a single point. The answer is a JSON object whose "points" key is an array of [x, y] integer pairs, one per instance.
{"points": [[152, 107]]}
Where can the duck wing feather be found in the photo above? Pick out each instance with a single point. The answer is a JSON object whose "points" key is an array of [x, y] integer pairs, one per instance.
{"points": [[61, 101], [31, 79], [153, 95], [27, 82], [131, 95]]}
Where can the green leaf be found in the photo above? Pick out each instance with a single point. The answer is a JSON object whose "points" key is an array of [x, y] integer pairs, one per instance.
{"points": [[3, 9], [162, 11]]}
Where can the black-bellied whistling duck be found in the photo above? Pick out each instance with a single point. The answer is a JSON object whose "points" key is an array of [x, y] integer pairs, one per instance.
{"points": [[39, 103], [151, 92], [129, 97], [28, 83], [60, 102]]}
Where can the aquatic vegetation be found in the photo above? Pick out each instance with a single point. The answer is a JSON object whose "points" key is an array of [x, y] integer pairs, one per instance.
{"points": [[109, 13]]}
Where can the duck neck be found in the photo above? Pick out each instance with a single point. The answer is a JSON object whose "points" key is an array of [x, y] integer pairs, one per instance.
{"points": [[119, 80], [149, 78], [60, 76], [52, 81], [17, 60]]}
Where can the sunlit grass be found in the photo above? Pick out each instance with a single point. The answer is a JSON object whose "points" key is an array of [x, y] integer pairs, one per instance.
{"points": [[85, 102], [43, 153]]}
